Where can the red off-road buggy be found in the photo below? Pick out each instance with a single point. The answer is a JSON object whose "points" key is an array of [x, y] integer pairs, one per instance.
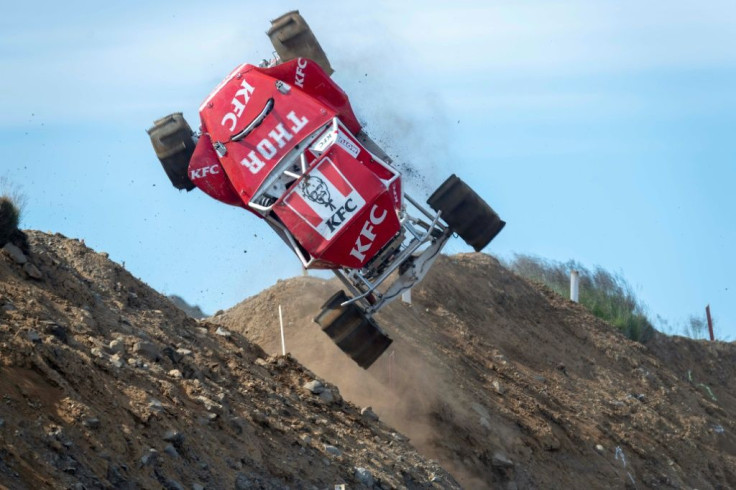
{"points": [[281, 141]]}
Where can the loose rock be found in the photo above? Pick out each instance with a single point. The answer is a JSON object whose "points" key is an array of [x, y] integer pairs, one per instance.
{"points": [[57, 331], [364, 476], [498, 387], [171, 451], [15, 253], [173, 485], [117, 345], [500, 460], [332, 450], [32, 271], [172, 354], [147, 350], [156, 405], [368, 413], [150, 457], [399, 437], [315, 387], [327, 396], [175, 437], [97, 352], [184, 352]]}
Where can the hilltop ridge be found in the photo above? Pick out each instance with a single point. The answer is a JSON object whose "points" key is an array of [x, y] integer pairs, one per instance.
{"points": [[508, 385]]}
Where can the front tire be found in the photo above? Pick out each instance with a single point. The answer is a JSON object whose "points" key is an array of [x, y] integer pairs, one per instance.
{"points": [[466, 212], [354, 333]]}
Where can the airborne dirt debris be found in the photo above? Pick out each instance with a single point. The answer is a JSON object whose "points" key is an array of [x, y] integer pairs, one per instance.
{"points": [[106, 384], [508, 385]]}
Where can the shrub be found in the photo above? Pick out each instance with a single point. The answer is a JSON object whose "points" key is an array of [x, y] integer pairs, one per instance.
{"points": [[9, 219], [12, 203], [608, 296]]}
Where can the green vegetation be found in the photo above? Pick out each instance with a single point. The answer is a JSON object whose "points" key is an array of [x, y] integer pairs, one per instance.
{"points": [[695, 327], [608, 296]]}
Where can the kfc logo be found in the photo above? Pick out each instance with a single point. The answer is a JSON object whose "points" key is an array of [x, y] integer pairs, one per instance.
{"points": [[316, 190], [325, 199]]}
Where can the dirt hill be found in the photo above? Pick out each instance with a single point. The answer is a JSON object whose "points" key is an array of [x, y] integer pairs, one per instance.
{"points": [[507, 385], [106, 384]]}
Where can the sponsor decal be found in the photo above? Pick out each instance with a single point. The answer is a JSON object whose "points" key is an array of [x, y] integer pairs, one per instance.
{"points": [[324, 142], [316, 190], [241, 99], [348, 145], [199, 173], [278, 137], [367, 236], [299, 75], [331, 137], [325, 199]]}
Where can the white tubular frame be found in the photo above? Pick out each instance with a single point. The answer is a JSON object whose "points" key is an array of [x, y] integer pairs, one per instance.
{"points": [[415, 248], [283, 167], [419, 251]]}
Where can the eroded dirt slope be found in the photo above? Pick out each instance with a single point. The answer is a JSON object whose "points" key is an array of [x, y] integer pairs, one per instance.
{"points": [[507, 385], [106, 384]]}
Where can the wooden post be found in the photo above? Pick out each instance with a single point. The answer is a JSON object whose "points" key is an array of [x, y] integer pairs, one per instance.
{"points": [[710, 323]]}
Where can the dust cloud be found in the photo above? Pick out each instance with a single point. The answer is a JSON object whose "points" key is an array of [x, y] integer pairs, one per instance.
{"points": [[399, 109], [503, 383]]}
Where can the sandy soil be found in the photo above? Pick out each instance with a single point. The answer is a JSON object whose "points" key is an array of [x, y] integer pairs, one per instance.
{"points": [[507, 385]]}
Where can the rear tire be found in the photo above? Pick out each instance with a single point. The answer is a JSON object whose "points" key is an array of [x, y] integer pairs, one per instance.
{"points": [[353, 332], [466, 212], [171, 138]]}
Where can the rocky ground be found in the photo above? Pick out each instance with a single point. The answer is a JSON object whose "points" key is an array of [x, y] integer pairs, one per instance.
{"points": [[508, 385], [106, 384]]}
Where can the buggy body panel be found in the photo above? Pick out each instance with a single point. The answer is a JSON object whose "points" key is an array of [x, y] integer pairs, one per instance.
{"points": [[339, 211], [344, 203]]}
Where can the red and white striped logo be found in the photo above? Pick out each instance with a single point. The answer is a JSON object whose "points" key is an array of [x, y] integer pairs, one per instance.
{"points": [[325, 199]]}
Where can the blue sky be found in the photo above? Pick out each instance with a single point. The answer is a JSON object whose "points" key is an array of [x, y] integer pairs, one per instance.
{"points": [[601, 131]]}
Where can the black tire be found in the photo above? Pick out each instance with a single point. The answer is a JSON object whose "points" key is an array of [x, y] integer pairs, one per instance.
{"points": [[292, 38], [172, 141], [466, 213], [354, 333]]}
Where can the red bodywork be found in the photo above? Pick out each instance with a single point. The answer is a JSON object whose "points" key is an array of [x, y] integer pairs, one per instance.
{"points": [[343, 207]]}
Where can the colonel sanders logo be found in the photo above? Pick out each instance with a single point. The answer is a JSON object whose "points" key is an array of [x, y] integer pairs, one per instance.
{"points": [[315, 189]]}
